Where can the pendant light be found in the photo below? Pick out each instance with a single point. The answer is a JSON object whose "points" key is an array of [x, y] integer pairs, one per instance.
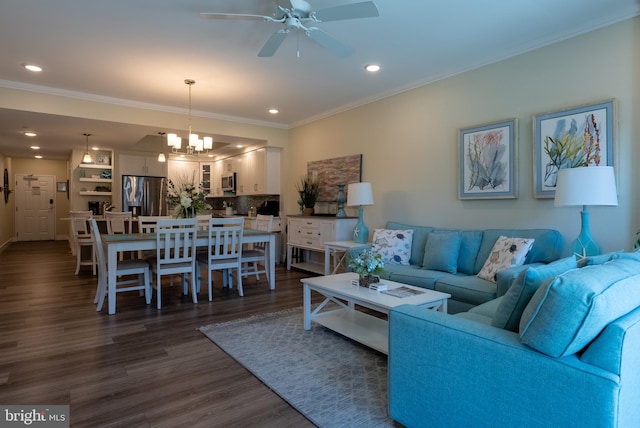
{"points": [[161, 156], [87, 157], [195, 144]]}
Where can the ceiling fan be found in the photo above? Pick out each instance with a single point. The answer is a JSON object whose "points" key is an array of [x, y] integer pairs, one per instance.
{"points": [[298, 15]]}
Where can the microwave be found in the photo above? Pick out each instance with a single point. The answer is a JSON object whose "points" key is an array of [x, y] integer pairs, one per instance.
{"points": [[228, 182]]}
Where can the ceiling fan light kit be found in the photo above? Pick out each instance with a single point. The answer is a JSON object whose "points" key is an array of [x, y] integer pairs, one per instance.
{"points": [[301, 17]]}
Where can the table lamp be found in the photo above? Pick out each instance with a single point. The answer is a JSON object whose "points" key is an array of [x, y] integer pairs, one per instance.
{"points": [[360, 194], [588, 185]]}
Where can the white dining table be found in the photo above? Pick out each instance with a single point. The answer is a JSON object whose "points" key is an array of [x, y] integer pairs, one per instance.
{"points": [[147, 241]]}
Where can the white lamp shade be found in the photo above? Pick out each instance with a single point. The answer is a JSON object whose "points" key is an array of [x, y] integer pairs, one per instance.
{"points": [[208, 143], [588, 185], [359, 194]]}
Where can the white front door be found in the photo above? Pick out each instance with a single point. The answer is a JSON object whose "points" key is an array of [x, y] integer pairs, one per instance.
{"points": [[35, 207]]}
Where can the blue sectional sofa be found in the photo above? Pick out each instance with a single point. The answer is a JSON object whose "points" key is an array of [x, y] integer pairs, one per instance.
{"points": [[567, 354], [466, 289]]}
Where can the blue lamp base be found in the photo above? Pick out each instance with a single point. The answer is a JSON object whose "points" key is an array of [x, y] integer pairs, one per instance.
{"points": [[584, 245], [361, 231]]}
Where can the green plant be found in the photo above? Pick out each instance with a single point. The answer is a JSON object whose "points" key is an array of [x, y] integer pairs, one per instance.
{"points": [[309, 190], [367, 262]]}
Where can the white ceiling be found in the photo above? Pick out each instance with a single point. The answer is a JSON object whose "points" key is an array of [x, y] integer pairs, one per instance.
{"points": [[139, 52]]}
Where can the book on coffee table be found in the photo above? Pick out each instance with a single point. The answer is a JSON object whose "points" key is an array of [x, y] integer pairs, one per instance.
{"points": [[402, 292]]}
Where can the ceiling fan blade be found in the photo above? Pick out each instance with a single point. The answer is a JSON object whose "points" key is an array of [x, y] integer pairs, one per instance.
{"points": [[273, 43], [234, 16], [366, 9], [329, 42]]}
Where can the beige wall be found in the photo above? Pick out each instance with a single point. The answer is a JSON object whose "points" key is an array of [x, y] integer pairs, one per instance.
{"points": [[410, 150], [59, 169]]}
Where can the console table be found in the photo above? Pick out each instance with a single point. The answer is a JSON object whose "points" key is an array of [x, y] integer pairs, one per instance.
{"points": [[310, 233]]}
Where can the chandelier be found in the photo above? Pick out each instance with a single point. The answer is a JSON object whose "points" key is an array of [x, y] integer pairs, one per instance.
{"points": [[195, 144]]}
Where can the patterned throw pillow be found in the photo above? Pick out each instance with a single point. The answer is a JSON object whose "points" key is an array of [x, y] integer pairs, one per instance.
{"points": [[506, 252], [393, 245]]}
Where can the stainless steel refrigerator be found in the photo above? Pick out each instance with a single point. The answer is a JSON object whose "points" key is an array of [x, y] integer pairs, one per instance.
{"points": [[144, 195]]}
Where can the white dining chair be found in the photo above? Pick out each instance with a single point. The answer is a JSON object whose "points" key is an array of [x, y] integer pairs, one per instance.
{"points": [[258, 253], [203, 221], [82, 239], [224, 251], [118, 223], [175, 253], [124, 269], [148, 224]]}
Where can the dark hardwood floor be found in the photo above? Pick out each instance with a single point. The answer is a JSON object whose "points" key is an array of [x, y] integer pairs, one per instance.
{"points": [[138, 368]]}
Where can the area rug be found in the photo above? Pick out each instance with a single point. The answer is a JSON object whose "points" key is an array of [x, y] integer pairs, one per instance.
{"points": [[332, 380]]}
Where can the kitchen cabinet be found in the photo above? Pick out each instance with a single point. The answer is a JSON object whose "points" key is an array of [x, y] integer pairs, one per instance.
{"points": [[205, 177], [258, 172], [216, 178], [183, 172], [308, 234], [132, 164]]}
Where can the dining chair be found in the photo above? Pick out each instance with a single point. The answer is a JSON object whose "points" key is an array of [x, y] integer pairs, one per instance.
{"points": [[82, 239], [125, 268], [203, 221], [119, 223], [175, 253], [148, 224], [224, 251], [258, 253]]}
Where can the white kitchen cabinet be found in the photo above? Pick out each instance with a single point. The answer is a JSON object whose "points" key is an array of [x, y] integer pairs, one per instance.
{"points": [[216, 178], [258, 172], [309, 234], [205, 177], [131, 164], [183, 172]]}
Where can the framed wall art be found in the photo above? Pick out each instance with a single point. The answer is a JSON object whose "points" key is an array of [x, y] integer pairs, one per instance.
{"points": [[331, 172], [487, 161], [578, 136]]}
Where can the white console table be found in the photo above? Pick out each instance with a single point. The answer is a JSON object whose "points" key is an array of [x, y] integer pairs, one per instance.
{"points": [[310, 233]]}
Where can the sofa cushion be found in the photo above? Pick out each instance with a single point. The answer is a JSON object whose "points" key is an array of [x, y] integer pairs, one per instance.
{"points": [[546, 248], [442, 250], [506, 252], [596, 260], [517, 297], [420, 234], [469, 246], [413, 275], [466, 288], [566, 314], [394, 245]]}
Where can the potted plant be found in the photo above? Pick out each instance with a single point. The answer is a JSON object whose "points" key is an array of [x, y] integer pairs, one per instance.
{"points": [[308, 189], [368, 264]]}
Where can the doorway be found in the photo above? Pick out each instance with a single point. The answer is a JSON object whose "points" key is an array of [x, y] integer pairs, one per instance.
{"points": [[35, 207]]}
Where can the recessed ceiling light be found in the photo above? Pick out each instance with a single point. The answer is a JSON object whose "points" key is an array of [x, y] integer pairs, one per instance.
{"points": [[30, 134], [239, 146], [33, 67], [274, 111], [372, 68], [38, 156], [35, 147], [95, 148]]}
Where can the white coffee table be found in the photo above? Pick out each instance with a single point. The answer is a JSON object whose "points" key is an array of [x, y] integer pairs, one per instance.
{"points": [[359, 326]]}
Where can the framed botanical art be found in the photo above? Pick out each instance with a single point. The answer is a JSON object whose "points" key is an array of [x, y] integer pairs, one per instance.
{"points": [[579, 136], [487, 161]]}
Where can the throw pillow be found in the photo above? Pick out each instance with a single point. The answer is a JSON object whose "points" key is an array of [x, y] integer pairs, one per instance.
{"points": [[441, 251], [393, 245], [517, 297], [566, 314], [506, 252]]}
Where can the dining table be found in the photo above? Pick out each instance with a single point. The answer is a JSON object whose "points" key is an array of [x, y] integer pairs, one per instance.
{"points": [[115, 244]]}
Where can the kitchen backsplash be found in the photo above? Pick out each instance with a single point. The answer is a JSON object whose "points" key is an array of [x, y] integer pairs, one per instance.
{"points": [[241, 204]]}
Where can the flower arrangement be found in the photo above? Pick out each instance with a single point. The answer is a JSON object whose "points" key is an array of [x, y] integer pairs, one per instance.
{"points": [[366, 263], [187, 199]]}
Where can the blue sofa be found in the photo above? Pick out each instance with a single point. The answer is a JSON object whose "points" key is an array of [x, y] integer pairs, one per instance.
{"points": [[466, 289], [572, 361]]}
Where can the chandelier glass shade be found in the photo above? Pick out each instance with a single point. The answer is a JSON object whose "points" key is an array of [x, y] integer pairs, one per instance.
{"points": [[195, 144]]}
